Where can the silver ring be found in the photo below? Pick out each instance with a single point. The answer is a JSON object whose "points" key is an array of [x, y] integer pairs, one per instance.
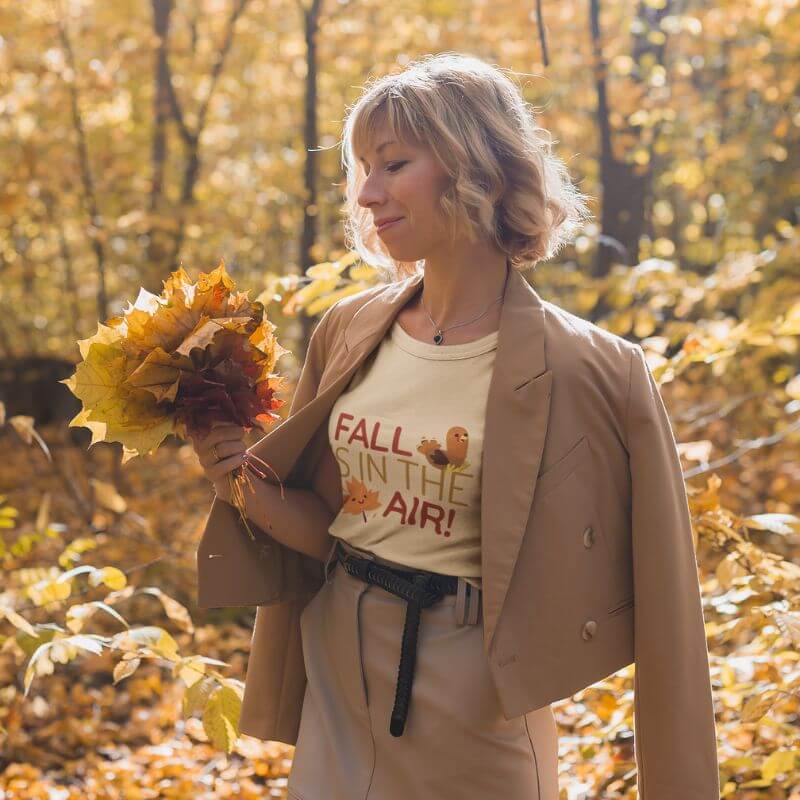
{"points": [[214, 451]]}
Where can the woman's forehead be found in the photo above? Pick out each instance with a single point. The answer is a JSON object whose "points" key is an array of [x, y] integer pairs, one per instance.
{"points": [[383, 144], [374, 139], [381, 141]]}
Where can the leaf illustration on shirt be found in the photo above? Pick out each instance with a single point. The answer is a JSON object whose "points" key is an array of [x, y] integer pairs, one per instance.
{"points": [[359, 499], [453, 456]]}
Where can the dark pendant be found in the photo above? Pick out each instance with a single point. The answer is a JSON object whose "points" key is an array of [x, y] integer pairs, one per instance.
{"points": [[438, 337]]}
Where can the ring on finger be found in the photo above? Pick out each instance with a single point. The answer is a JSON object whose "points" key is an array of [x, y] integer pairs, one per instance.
{"points": [[216, 454]]}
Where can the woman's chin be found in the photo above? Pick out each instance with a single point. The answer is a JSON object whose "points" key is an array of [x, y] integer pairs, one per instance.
{"points": [[403, 251]]}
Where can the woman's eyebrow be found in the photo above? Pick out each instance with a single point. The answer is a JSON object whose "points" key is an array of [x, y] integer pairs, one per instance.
{"points": [[380, 147]]}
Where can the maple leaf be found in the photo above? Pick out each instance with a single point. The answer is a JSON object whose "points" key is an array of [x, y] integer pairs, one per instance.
{"points": [[359, 499], [178, 363]]}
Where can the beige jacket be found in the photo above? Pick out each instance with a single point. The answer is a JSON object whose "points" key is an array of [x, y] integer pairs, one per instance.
{"points": [[588, 561]]}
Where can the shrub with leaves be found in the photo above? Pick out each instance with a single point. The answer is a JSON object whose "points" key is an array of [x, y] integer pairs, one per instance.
{"points": [[65, 637]]}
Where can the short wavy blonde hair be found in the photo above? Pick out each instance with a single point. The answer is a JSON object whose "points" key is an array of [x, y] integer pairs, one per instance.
{"points": [[506, 184]]}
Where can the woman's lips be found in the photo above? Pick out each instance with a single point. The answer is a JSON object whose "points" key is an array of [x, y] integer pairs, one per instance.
{"points": [[382, 228]]}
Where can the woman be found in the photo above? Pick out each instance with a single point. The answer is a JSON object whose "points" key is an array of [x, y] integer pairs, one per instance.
{"points": [[463, 539]]}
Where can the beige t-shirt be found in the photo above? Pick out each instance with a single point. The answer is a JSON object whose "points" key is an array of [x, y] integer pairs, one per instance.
{"points": [[407, 433]]}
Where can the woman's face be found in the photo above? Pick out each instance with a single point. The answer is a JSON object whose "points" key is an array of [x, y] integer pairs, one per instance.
{"points": [[404, 181]]}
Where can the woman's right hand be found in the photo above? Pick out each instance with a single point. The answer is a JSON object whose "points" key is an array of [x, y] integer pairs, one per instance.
{"points": [[228, 440]]}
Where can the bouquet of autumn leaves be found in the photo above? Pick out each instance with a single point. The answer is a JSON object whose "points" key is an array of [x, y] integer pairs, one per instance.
{"points": [[178, 363]]}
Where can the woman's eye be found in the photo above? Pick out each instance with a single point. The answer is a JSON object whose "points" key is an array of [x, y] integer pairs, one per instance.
{"points": [[393, 166]]}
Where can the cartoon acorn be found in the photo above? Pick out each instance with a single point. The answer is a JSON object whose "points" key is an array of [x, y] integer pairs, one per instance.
{"points": [[455, 454]]}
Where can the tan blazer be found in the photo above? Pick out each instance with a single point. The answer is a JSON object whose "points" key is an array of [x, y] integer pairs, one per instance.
{"points": [[588, 561]]}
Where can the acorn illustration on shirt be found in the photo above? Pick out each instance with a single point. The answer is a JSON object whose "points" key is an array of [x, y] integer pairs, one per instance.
{"points": [[454, 456]]}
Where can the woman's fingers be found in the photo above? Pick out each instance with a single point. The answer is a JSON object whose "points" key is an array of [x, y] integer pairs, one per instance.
{"points": [[222, 433], [220, 450], [221, 468]]}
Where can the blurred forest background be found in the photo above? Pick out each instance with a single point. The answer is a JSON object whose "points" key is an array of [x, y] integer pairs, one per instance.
{"points": [[138, 136]]}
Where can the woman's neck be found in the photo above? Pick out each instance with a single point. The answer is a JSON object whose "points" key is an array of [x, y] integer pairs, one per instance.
{"points": [[461, 303]]}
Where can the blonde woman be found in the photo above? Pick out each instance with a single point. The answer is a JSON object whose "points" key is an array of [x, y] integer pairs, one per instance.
{"points": [[484, 508]]}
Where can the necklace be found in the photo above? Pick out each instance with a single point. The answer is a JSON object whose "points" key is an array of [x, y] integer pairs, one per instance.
{"points": [[438, 336]]}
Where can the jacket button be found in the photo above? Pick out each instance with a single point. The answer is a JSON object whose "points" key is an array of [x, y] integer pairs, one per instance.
{"points": [[589, 629], [588, 536]]}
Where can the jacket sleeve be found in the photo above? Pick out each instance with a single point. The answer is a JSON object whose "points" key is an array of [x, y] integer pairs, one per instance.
{"points": [[674, 731]]}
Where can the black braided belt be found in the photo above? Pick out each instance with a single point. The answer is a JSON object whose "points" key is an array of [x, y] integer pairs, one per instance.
{"points": [[420, 589]]}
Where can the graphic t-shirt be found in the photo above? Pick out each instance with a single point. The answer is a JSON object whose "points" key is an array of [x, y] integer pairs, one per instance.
{"points": [[407, 433]]}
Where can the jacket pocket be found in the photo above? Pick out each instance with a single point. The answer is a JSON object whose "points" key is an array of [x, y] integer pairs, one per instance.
{"points": [[554, 475]]}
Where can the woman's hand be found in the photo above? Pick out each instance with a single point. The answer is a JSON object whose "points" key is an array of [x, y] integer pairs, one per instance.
{"points": [[228, 440]]}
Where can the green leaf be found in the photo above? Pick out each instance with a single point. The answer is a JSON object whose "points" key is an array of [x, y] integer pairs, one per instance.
{"points": [[221, 718]]}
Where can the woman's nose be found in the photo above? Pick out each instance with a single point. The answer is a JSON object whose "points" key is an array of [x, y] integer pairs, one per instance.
{"points": [[371, 192]]}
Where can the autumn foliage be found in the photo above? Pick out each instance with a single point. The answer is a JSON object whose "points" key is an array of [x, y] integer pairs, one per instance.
{"points": [[139, 137]]}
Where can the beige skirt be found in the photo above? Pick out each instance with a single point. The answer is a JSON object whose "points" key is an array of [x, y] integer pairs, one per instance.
{"points": [[456, 742]]}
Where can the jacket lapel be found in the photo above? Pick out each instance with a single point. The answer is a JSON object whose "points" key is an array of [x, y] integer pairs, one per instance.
{"points": [[368, 326], [517, 413]]}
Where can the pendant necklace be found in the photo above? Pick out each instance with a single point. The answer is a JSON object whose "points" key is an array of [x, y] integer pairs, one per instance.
{"points": [[438, 336]]}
